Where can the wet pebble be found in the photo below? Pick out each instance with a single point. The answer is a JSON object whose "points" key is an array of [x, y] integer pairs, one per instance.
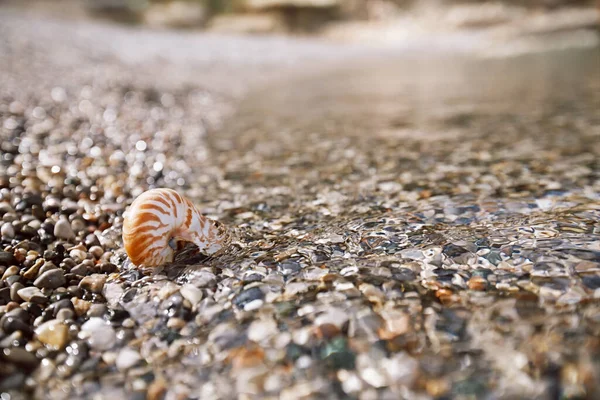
{"points": [[51, 279], [33, 295], [53, 334], [93, 283], [99, 334]]}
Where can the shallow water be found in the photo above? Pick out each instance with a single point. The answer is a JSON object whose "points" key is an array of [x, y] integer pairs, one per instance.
{"points": [[460, 191]]}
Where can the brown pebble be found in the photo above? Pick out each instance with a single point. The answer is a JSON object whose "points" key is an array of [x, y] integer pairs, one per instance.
{"points": [[81, 306], [477, 283], [326, 331], [242, 357], [157, 389], [11, 306]]}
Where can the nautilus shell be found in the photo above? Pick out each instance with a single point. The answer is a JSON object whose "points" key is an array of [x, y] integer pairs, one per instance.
{"points": [[161, 219]]}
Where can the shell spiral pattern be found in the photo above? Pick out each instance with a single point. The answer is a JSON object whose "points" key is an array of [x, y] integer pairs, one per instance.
{"points": [[160, 218]]}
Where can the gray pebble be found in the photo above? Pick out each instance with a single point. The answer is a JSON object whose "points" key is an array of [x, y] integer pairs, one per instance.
{"points": [[7, 258], [14, 292], [7, 231], [65, 314], [32, 295], [63, 230], [97, 310], [51, 279], [22, 357], [80, 270]]}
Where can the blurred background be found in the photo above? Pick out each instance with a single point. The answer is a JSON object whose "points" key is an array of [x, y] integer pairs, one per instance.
{"points": [[349, 19]]}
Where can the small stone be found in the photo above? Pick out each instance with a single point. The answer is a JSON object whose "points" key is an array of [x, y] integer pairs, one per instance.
{"points": [[21, 357], [32, 272], [7, 258], [93, 283], [80, 270], [4, 296], [53, 334], [157, 389], [191, 293], [374, 377], [81, 306], [10, 271], [7, 231], [401, 369], [127, 358], [63, 230], [96, 252], [51, 279], [477, 283], [97, 310], [334, 316], [396, 323], [254, 305], [78, 255], [33, 295], [14, 292], [113, 293], [167, 290], [65, 314], [99, 334], [260, 330], [175, 323]]}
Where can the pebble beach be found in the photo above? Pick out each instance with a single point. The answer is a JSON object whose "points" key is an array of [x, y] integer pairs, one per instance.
{"points": [[393, 238]]}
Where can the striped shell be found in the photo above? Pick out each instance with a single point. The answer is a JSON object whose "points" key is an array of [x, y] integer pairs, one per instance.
{"points": [[160, 218]]}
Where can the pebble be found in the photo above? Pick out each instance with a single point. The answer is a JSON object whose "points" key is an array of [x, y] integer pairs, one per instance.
{"points": [[63, 230], [80, 306], [14, 292], [191, 293], [93, 283], [21, 357], [7, 231], [262, 329], [33, 295], [127, 359], [53, 334], [52, 279], [10, 271], [97, 310], [7, 258], [32, 272], [99, 334], [65, 314]]}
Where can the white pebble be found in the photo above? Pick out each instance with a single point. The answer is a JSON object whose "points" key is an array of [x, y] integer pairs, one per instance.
{"points": [[127, 358], [7, 231], [100, 335]]}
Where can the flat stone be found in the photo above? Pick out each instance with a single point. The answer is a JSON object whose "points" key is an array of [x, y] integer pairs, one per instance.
{"points": [[33, 295], [51, 279]]}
